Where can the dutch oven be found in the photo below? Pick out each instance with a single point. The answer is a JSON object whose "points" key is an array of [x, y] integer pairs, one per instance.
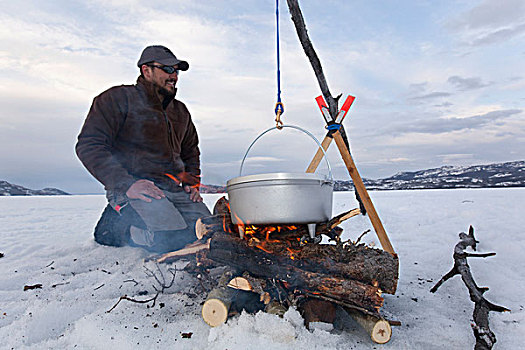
{"points": [[281, 198]]}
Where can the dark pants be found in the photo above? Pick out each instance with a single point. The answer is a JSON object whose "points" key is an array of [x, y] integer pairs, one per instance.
{"points": [[160, 226]]}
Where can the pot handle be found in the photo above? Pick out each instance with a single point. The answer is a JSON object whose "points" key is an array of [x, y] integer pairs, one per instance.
{"points": [[292, 127]]}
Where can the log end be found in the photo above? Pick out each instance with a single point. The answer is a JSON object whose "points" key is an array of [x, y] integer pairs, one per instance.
{"points": [[381, 332], [215, 312]]}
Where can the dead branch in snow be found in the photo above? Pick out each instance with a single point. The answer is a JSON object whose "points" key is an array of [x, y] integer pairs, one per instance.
{"points": [[485, 338], [161, 286]]}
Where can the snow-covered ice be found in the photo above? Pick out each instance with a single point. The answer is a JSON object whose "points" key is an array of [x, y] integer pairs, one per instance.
{"points": [[48, 241]]}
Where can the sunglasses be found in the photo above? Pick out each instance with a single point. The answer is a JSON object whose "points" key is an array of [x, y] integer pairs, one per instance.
{"points": [[166, 69]]}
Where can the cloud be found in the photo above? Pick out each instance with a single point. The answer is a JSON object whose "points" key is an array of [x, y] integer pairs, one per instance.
{"points": [[464, 84], [445, 125], [431, 96], [490, 22]]}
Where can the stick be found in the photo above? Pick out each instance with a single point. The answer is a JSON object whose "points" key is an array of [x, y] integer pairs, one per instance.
{"points": [[125, 297], [190, 249]]}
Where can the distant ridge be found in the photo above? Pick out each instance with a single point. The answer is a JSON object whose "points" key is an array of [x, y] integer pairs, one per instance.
{"points": [[8, 189], [509, 174]]}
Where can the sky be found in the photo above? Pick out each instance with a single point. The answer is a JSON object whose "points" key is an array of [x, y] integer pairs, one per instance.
{"points": [[434, 85]]}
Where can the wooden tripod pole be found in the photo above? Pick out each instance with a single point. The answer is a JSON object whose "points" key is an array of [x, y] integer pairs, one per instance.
{"points": [[300, 27], [363, 193], [319, 155], [358, 183]]}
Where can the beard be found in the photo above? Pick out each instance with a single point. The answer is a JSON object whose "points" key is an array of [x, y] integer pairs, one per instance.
{"points": [[166, 91]]}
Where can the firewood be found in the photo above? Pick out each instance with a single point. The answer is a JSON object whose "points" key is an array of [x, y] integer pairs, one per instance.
{"points": [[240, 283], [339, 219], [217, 306], [276, 308], [190, 249], [235, 252], [370, 266], [317, 310], [251, 284], [222, 206], [378, 328]]}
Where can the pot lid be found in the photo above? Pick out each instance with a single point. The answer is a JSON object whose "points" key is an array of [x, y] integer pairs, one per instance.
{"points": [[277, 176]]}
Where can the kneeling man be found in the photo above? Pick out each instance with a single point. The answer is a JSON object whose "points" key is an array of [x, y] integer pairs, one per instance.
{"points": [[141, 144]]}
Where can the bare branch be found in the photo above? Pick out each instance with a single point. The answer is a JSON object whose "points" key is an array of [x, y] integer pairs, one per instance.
{"points": [[300, 27]]}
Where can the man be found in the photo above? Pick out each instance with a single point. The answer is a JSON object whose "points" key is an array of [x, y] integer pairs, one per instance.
{"points": [[141, 144]]}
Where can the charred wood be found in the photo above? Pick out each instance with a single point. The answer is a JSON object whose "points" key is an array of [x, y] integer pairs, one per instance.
{"points": [[317, 310]]}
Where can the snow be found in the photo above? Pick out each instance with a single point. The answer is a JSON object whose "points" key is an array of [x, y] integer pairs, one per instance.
{"points": [[48, 240]]}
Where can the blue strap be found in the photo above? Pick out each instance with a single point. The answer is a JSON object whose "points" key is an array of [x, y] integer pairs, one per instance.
{"points": [[279, 107], [333, 126]]}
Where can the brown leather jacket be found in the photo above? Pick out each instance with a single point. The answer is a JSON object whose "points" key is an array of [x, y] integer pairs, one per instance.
{"points": [[130, 134]]}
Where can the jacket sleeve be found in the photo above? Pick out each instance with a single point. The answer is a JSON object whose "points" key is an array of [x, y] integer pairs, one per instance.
{"points": [[96, 139], [190, 153]]}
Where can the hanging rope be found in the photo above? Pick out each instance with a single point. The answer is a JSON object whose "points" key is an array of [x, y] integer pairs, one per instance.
{"points": [[279, 106]]}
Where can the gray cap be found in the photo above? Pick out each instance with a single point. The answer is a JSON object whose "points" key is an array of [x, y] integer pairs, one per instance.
{"points": [[163, 55]]}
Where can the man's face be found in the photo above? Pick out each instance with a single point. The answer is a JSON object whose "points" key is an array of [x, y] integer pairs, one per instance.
{"points": [[166, 82]]}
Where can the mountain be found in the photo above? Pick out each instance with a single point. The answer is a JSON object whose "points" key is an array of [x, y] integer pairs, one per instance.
{"points": [[510, 174], [7, 189]]}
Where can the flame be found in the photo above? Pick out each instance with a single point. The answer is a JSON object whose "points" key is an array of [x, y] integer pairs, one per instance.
{"points": [[261, 236], [261, 247]]}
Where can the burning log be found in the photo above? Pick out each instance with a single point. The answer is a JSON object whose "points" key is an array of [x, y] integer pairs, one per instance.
{"points": [[348, 261], [236, 252]]}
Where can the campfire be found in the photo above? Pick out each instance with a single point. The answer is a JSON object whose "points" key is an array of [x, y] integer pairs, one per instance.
{"points": [[274, 267]]}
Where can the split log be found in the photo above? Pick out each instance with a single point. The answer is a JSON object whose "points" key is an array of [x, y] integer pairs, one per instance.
{"points": [[249, 283], [485, 338], [237, 253], [214, 223]]}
